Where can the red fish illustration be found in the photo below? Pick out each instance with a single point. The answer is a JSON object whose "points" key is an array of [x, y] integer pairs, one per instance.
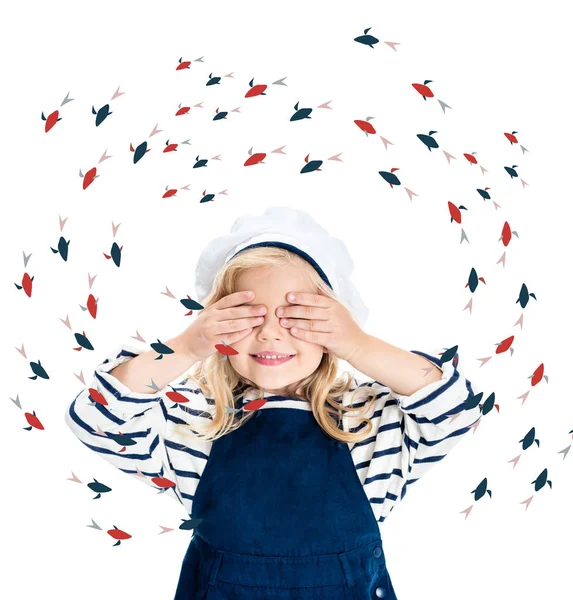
{"points": [[26, 284], [257, 90], [33, 420], [54, 117], [118, 534], [365, 126], [423, 89]]}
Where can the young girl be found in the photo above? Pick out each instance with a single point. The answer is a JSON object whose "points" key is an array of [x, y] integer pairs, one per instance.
{"points": [[286, 470]]}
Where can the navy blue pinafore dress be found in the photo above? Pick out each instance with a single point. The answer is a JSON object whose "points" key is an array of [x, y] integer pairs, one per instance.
{"points": [[285, 517]]}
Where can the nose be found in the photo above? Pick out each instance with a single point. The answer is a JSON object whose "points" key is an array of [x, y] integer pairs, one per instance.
{"points": [[271, 322]]}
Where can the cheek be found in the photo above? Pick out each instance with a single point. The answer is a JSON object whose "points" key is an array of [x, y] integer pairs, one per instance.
{"points": [[241, 346], [310, 354]]}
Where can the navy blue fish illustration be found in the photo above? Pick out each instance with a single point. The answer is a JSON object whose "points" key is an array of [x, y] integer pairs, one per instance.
{"points": [[511, 170], [539, 483], [472, 400], [121, 439], [62, 250], [220, 115], [528, 439], [38, 370], [526, 442], [200, 163], [542, 480], [428, 140], [489, 404], [101, 114], [448, 355], [98, 488], [83, 341], [191, 305], [213, 80], [190, 524], [484, 194], [139, 152], [524, 294], [115, 254], [161, 349], [313, 165], [479, 493], [474, 280], [206, 198], [390, 177], [366, 39], [481, 489], [303, 113]]}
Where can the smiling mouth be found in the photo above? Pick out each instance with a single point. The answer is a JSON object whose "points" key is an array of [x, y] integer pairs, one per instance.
{"points": [[271, 362]]}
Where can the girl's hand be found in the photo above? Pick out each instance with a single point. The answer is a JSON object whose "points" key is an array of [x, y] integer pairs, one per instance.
{"points": [[224, 321], [319, 319]]}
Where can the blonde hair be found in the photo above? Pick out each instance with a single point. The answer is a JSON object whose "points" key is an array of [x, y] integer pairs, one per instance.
{"points": [[220, 382]]}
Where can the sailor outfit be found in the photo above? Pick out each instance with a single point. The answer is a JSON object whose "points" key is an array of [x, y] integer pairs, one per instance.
{"points": [[288, 512]]}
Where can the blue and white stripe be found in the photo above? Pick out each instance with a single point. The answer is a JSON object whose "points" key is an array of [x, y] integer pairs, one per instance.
{"points": [[150, 421], [410, 433]]}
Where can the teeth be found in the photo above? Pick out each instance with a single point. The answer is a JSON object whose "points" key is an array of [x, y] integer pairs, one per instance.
{"points": [[272, 357]]}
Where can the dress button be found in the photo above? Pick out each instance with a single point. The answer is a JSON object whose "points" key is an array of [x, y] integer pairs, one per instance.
{"points": [[379, 592], [377, 551]]}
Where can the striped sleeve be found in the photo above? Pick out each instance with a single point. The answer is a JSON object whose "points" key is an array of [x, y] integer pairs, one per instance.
{"points": [[136, 432], [410, 434]]}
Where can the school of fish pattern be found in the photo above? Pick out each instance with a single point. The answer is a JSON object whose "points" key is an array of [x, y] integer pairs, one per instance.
{"points": [[91, 175]]}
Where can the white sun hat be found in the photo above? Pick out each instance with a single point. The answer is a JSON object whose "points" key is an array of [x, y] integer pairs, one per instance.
{"points": [[296, 231]]}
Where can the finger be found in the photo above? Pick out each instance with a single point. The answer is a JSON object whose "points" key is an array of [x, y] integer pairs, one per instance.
{"points": [[314, 337], [241, 311], [232, 325], [304, 312], [234, 299], [230, 338], [306, 324], [310, 299]]}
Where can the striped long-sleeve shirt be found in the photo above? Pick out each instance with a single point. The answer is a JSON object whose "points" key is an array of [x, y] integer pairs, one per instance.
{"points": [[410, 433]]}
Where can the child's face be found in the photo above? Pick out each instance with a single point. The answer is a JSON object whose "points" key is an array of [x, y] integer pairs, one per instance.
{"points": [[271, 287]]}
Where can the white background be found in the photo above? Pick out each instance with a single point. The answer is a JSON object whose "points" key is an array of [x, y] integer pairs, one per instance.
{"points": [[500, 66]]}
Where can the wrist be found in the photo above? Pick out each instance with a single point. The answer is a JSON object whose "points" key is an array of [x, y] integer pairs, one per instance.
{"points": [[359, 347], [179, 346]]}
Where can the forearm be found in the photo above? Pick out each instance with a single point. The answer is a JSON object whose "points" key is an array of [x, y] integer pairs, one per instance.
{"points": [[137, 373], [402, 371]]}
